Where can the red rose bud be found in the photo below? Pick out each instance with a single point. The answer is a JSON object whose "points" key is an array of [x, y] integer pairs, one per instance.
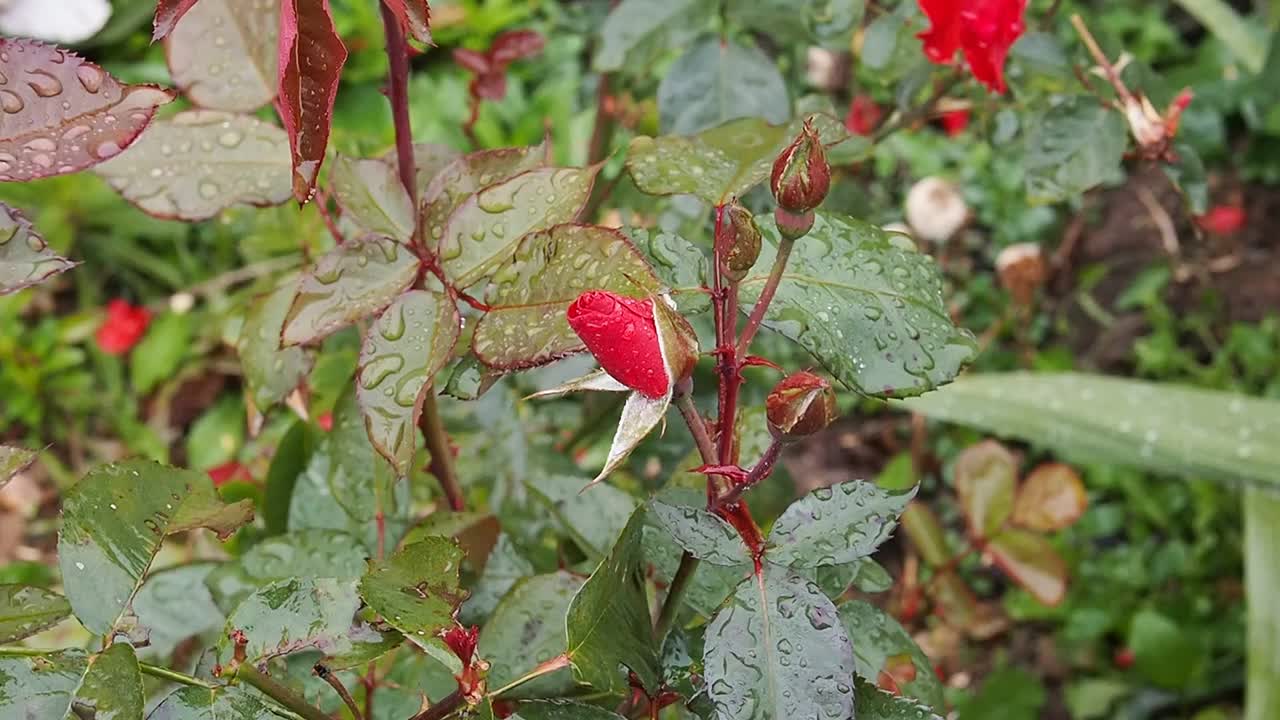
{"points": [[955, 122], [462, 641], [738, 241], [792, 226], [124, 327], [1223, 219], [801, 176], [983, 29], [620, 332], [801, 404], [679, 341], [864, 115]]}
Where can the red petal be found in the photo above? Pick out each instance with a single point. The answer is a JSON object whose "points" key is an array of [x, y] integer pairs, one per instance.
{"points": [[942, 39], [620, 332], [864, 115]]}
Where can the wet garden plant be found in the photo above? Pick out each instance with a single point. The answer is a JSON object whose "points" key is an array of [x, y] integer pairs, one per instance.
{"points": [[436, 547]]}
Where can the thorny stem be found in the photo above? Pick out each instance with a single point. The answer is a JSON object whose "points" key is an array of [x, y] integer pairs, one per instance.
{"points": [[1100, 57], [442, 709], [327, 675], [766, 297], [398, 93], [281, 694], [761, 470]]}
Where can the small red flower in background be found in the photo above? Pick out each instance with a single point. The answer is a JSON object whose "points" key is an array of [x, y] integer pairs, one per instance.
{"points": [[954, 122], [620, 332], [490, 67], [124, 327], [1223, 219], [983, 29], [228, 472], [864, 115], [325, 421], [1125, 658]]}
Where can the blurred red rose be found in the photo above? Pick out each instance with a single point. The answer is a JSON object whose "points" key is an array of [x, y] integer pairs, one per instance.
{"points": [[864, 115], [1223, 219], [124, 327], [983, 29]]}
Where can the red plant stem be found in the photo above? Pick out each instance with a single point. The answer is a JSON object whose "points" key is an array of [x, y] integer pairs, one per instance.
{"points": [[398, 93], [469, 126], [766, 297], [762, 469], [442, 709]]}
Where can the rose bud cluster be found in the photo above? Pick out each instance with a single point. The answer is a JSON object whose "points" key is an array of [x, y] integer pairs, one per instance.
{"points": [[800, 405], [800, 181]]}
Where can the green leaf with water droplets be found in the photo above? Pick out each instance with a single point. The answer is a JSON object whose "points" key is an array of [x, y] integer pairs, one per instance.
{"points": [[223, 53], [198, 163], [527, 628], [608, 625], [415, 590], [637, 31], [836, 525], [429, 160], [703, 534], [503, 569], [348, 283], [26, 611], [464, 176], [63, 113], [866, 306], [526, 325], [718, 80], [682, 267], [1101, 419], [370, 193], [1076, 145], [270, 371], [484, 231], [710, 585], [292, 615], [218, 703], [721, 163], [312, 553], [113, 522], [592, 518], [25, 259], [402, 352], [111, 687], [878, 638], [876, 704], [562, 710], [14, 460], [40, 687], [777, 650], [173, 605]]}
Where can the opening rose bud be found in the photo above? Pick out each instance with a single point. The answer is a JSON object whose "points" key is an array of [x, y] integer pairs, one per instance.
{"points": [[801, 176], [801, 404], [739, 241], [629, 338]]}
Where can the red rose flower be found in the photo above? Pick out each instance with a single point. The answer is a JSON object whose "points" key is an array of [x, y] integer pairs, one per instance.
{"points": [[1223, 219], [983, 29], [864, 115], [124, 327], [955, 122], [620, 332]]}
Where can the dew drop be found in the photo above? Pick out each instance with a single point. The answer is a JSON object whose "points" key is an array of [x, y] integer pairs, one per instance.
{"points": [[10, 102]]}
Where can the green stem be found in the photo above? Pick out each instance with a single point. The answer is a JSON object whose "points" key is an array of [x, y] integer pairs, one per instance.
{"points": [[173, 676], [546, 668], [281, 694], [1262, 585], [675, 594]]}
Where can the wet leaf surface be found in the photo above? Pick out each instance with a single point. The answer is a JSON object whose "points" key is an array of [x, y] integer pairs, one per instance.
{"points": [[25, 259], [111, 687], [710, 585], [310, 64], [402, 352], [872, 702], [224, 703], [1031, 561], [526, 326], [463, 176], [289, 616], [984, 477], [1052, 497], [414, 17], [836, 525], [40, 686], [113, 521], [307, 554], [877, 638], [349, 282], [270, 371], [720, 163], [168, 13], [1075, 146], [563, 710], [62, 114], [527, 628], [867, 308], [196, 164], [484, 231], [593, 518], [680, 265], [777, 650], [26, 611], [701, 533], [506, 566], [415, 590], [637, 30], [14, 460], [609, 623], [173, 605], [371, 194], [716, 81], [223, 53]]}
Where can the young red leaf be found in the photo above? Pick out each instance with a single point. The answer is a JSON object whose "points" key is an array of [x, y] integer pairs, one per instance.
{"points": [[63, 114], [984, 477], [515, 45], [414, 17], [1051, 498], [476, 62], [1031, 561], [311, 60], [168, 13]]}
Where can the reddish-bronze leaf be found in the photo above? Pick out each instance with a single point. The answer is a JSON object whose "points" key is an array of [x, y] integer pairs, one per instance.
{"points": [[61, 114], [1031, 561], [1051, 498], [414, 17], [311, 60], [168, 13]]}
